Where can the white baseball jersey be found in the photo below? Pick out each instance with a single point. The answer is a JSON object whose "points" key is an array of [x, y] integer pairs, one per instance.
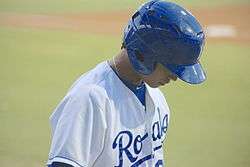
{"points": [[101, 123]]}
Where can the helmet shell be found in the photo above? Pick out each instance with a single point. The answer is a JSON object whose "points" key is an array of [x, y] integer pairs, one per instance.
{"points": [[164, 32]]}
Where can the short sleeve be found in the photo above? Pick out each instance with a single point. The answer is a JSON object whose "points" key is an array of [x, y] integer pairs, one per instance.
{"points": [[78, 131]]}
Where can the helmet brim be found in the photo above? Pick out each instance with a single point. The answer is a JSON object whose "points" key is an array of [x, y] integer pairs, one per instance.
{"points": [[193, 74]]}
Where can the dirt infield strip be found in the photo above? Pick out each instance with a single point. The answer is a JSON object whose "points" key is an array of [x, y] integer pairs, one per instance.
{"points": [[227, 23]]}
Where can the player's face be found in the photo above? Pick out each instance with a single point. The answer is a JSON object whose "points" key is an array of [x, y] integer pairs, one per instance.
{"points": [[159, 77]]}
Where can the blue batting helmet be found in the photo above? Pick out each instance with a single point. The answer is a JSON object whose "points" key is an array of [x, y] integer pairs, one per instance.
{"points": [[164, 32]]}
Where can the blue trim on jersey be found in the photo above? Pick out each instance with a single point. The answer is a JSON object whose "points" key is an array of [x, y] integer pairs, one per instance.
{"points": [[66, 159], [59, 164], [138, 90]]}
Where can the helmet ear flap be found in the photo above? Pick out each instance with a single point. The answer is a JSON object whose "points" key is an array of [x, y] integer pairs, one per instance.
{"points": [[139, 61], [139, 56]]}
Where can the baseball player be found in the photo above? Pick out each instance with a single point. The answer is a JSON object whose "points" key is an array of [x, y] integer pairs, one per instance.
{"points": [[114, 115]]}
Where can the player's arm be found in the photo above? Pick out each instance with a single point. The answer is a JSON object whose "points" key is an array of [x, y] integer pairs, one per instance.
{"points": [[59, 164], [79, 131]]}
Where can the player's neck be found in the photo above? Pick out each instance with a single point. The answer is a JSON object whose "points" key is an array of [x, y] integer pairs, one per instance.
{"points": [[124, 68]]}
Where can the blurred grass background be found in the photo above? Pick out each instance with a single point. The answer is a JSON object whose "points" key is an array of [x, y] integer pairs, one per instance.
{"points": [[209, 123], [75, 6]]}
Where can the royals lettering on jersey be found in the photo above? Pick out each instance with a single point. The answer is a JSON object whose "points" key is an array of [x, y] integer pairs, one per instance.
{"points": [[132, 147]]}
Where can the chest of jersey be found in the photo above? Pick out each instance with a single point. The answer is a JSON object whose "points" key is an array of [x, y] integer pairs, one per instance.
{"points": [[136, 138]]}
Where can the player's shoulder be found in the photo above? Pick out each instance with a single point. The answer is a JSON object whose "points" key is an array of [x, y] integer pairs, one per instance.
{"points": [[93, 92], [91, 83], [96, 75], [77, 102]]}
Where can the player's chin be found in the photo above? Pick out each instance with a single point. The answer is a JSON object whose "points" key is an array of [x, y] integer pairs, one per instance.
{"points": [[157, 84]]}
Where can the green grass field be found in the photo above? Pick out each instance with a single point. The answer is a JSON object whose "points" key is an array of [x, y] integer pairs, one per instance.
{"points": [[209, 123], [76, 6]]}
